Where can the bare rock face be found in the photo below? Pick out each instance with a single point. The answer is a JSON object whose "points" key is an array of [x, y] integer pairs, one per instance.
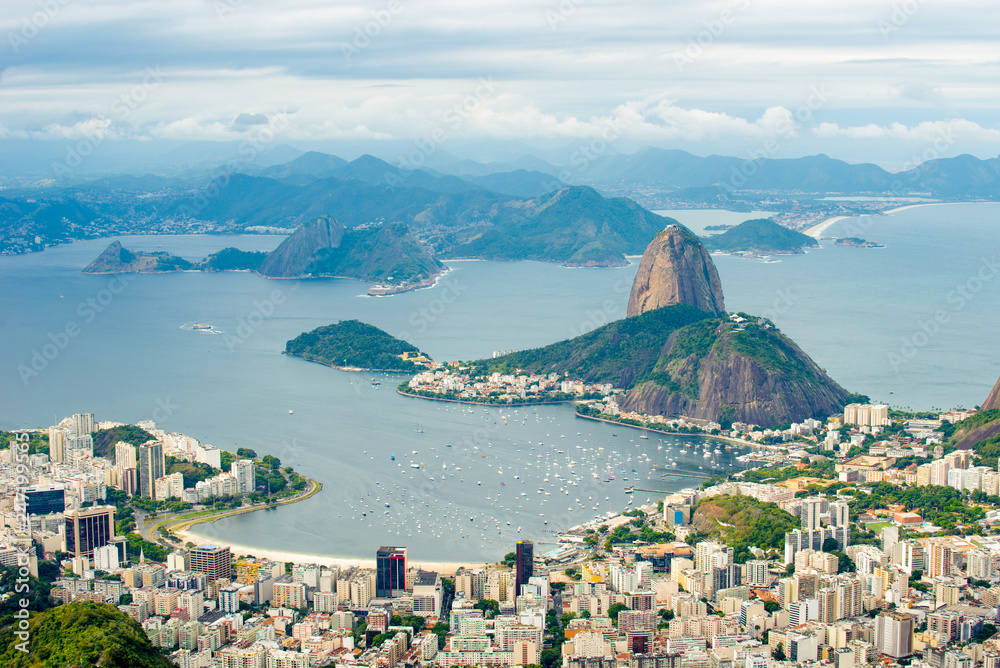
{"points": [[676, 269], [992, 401], [293, 256]]}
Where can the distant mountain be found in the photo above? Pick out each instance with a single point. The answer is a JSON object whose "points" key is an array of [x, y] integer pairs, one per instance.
{"points": [[575, 226], [962, 176], [680, 169], [761, 235], [519, 183], [117, 259], [676, 269], [306, 168], [325, 247]]}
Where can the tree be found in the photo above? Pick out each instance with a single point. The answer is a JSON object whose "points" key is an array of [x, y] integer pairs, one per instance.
{"points": [[509, 559], [246, 453], [489, 607], [779, 652], [585, 614], [830, 545], [550, 657], [771, 606], [613, 611]]}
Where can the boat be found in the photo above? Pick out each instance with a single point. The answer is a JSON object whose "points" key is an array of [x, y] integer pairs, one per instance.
{"points": [[290, 411], [203, 326]]}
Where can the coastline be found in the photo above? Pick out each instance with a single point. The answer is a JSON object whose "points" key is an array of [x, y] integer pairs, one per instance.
{"points": [[443, 567], [816, 231], [483, 403]]}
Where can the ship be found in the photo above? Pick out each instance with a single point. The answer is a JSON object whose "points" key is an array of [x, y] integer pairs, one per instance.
{"points": [[201, 325]]}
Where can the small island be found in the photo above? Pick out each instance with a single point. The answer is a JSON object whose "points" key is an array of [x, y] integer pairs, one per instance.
{"points": [[761, 236], [857, 243], [352, 345]]}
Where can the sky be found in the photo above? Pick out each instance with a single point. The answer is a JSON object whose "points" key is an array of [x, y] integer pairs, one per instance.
{"points": [[892, 83]]}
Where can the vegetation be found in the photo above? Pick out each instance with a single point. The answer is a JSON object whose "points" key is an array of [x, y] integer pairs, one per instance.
{"points": [[193, 472], [942, 506], [86, 634], [232, 259], [352, 343], [105, 439], [743, 522], [38, 442], [761, 235]]}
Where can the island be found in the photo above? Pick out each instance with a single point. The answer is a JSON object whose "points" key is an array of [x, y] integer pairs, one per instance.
{"points": [[352, 345], [387, 255], [856, 242], [761, 236]]}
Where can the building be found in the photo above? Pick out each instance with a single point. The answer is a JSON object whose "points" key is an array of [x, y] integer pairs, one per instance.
{"points": [[88, 529], [45, 499], [246, 477], [390, 571], [169, 486], [428, 594], [524, 564], [151, 467], [289, 595], [756, 573], [82, 424], [214, 561], [57, 445], [811, 509], [894, 634]]}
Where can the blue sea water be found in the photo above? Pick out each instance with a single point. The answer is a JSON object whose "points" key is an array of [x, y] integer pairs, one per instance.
{"points": [[914, 324]]}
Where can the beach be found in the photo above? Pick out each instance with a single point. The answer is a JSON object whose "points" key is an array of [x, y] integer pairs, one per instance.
{"points": [[816, 231], [442, 567]]}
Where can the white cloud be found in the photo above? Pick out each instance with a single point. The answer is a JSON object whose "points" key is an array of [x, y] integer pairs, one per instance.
{"points": [[956, 129]]}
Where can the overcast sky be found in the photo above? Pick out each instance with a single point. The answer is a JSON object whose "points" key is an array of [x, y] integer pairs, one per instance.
{"points": [[872, 80]]}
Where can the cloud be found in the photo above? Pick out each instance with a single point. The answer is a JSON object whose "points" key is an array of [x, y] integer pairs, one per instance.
{"points": [[246, 119], [954, 130]]}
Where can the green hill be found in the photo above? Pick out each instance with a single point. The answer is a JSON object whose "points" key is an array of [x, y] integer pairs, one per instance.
{"points": [[575, 226], [743, 522], [351, 343], [105, 439], [82, 634], [761, 235], [232, 259], [678, 360]]}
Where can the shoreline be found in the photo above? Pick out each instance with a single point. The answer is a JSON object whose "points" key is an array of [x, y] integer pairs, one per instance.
{"points": [[352, 369], [484, 403], [443, 567], [728, 439], [816, 231]]}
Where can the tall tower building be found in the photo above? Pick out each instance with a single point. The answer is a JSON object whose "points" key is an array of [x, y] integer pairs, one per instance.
{"points": [[151, 465], [894, 634], [811, 509], [840, 514], [524, 564], [214, 561], [243, 471], [390, 571], [83, 424], [88, 529], [57, 445]]}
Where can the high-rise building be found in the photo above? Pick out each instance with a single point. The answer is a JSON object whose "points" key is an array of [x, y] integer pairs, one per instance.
{"points": [[390, 571], [83, 424], [894, 634], [840, 513], [939, 562], [57, 445], [811, 509], [88, 529], [45, 499], [214, 561], [151, 467], [243, 471], [756, 574], [524, 564]]}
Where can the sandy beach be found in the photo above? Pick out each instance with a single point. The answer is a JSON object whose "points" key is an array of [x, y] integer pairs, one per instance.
{"points": [[443, 567], [912, 206], [816, 231]]}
